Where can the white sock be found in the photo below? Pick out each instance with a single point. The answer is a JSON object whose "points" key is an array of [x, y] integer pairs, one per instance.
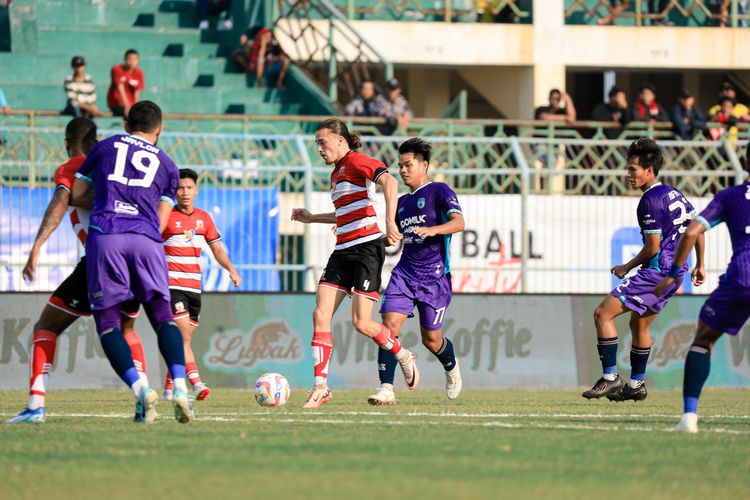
{"points": [[179, 384], [35, 401], [40, 385], [137, 387], [609, 376], [144, 378], [402, 354]]}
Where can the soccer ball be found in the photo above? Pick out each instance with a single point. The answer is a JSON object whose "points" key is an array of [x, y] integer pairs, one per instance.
{"points": [[272, 390]]}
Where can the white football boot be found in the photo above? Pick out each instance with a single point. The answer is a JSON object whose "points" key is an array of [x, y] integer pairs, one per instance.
{"points": [[688, 423], [383, 396], [409, 367], [318, 395], [453, 383]]}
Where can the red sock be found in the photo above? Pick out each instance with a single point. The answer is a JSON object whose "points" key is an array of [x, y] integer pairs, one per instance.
{"points": [[168, 384], [42, 359], [136, 348], [192, 373], [322, 346], [387, 341]]}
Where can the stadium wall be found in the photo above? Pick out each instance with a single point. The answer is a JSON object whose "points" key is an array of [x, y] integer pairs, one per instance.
{"points": [[502, 341]]}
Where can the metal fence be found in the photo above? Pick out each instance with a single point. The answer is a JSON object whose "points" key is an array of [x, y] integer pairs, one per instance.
{"points": [[543, 215]]}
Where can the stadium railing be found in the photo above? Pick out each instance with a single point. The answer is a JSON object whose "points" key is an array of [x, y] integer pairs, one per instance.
{"points": [[440, 10], [517, 190], [682, 13]]}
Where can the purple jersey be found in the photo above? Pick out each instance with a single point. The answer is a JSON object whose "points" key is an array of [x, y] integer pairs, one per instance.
{"points": [[732, 205], [429, 205], [665, 211], [130, 177]]}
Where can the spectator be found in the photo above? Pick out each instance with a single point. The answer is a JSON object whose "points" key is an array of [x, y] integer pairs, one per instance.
{"points": [[126, 86], [739, 111], [206, 8], [556, 112], [80, 91], [495, 11], [615, 111], [687, 120], [400, 108], [4, 108], [371, 104], [725, 115], [646, 109], [260, 54], [620, 6]]}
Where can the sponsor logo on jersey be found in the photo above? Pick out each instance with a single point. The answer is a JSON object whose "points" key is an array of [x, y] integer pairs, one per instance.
{"points": [[125, 208]]}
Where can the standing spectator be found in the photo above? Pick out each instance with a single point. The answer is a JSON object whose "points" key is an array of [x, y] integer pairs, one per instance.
{"points": [[400, 108], [4, 108], [687, 120], [560, 109], [266, 58], [126, 86], [646, 109], [615, 111], [206, 8], [739, 111], [80, 91]]}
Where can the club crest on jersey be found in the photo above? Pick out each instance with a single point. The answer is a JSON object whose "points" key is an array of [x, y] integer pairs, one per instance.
{"points": [[189, 234], [420, 203], [198, 224]]}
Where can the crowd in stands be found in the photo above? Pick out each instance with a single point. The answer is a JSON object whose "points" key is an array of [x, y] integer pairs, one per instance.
{"points": [[214, 8], [393, 106], [658, 10]]}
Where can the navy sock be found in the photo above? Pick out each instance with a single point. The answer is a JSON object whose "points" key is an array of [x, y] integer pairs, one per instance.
{"points": [[445, 355], [386, 366], [118, 353], [697, 368], [638, 362], [607, 354], [171, 348]]}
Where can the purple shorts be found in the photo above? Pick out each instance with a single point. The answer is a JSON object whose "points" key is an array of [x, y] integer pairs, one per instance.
{"points": [[431, 299], [727, 308], [121, 267], [637, 292]]}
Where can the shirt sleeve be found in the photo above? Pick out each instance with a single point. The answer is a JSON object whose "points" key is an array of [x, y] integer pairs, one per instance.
{"points": [[647, 217], [449, 201], [212, 234], [372, 168], [64, 178], [69, 92], [170, 187], [116, 74], [86, 172], [714, 213]]}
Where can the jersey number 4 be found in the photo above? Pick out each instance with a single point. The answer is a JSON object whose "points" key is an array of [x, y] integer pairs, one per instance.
{"points": [[143, 161]]}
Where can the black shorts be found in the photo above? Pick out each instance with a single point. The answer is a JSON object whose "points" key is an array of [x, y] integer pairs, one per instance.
{"points": [[186, 304], [356, 269], [72, 295]]}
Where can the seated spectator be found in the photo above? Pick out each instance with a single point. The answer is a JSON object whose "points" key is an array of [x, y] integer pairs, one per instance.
{"points": [[560, 109], [725, 116], [260, 54], [739, 111], [646, 109], [4, 108], [399, 105], [371, 104], [80, 91], [206, 8], [687, 120], [615, 110], [620, 6], [127, 82]]}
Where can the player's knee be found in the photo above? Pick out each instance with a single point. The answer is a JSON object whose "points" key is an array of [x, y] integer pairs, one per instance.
{"points": [[599, 314], [320, 318], [393, 327], [360, 323], [635, 326], [432, 342]]}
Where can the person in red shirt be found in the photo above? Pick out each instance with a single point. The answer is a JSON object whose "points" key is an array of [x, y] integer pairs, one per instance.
{"points": [[127, 82], [356, 263], [188, 229], [70, 300]]}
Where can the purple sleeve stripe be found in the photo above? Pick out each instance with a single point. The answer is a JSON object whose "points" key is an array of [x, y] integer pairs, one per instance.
{"points": [[79, 175]]}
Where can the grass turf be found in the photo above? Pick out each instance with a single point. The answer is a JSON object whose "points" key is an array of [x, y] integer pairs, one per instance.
{"points": [[486, 444]]}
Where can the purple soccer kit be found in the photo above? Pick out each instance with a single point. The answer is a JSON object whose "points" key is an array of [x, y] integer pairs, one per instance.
{"points": [[124, 250], [422, 276], [665, 211], [728, 307]]}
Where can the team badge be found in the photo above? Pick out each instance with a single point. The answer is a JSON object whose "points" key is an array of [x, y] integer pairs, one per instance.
{"points": [[198, 224], [420, 203], [189, 234]]}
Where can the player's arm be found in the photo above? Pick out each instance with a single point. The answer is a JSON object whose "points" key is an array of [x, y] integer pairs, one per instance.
{"points": [[52, 217], [223, 259], [390, 190], [698, 274], [304, 215], [82, 194], [164, 210], [260, 63], [651, 242], [455, 224], [694, 231]]}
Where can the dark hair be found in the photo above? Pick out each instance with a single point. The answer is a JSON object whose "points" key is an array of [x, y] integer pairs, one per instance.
{"points": [[418, 147], [725, 98], [614, 91], [647, 86], [188, 173], [366, 80], [81, 132], [144, 116], [727, 86], [647, 153], [130, 51], [553, 92], [338, 127]]}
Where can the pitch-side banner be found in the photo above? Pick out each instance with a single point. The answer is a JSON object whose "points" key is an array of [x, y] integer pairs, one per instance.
{"points": [[502, 341], [573, 242]]}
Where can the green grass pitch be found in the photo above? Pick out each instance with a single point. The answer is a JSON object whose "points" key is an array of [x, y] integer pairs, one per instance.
{"points": [[486, 444]]}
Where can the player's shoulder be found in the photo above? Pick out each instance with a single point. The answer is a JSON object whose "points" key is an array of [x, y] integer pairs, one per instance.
{"points": [[198, 212], [357, 158], [65, 173]]}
